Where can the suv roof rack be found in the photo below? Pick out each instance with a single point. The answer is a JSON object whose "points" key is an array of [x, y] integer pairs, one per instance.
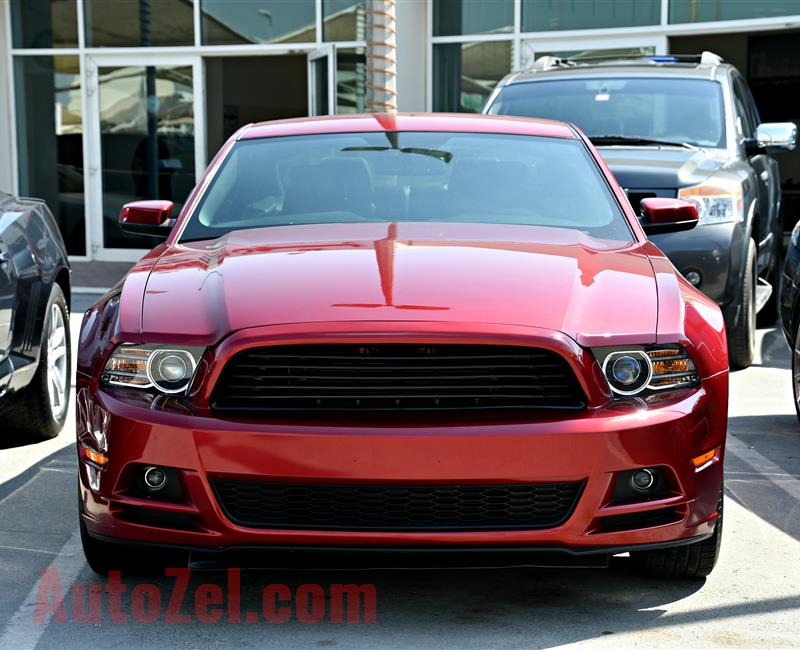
{"points": [[550, 62]]}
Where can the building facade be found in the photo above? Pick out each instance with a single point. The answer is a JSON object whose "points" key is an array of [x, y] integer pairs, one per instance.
{"points": [[107, 101]]}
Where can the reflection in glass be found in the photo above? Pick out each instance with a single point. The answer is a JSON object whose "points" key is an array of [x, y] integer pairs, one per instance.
{"points": [[539, 16], [132, 23], [147, 141], [455, 17], [691, 11], [465, 74], [49, 140], [238, 22], [343, 20], [351, 80], [44, 23]]}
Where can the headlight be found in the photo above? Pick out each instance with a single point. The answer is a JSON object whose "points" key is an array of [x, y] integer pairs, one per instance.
{"points": [[630, 372], [718, 201], [167, 369]]}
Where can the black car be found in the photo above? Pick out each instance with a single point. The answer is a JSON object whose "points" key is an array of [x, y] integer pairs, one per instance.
{"points": [[790, 309], [680, 126], [35, 373]]}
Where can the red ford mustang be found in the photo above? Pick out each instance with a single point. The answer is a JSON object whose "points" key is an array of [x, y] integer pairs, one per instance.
{"points": [[405, 333]]}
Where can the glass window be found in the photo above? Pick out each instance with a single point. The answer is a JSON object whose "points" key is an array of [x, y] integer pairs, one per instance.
{"points": [[553, 15], [44, 23], [691, 11], [133, 23], [351, 80], [343, 20], [146, 141], [49, 140], [236, 22], [616, 110], [408, 176], [455, 17], [464, 74]]}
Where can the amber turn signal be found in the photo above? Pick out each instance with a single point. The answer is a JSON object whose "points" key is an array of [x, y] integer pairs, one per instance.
{"points": [[702, 459], [94, 456]]}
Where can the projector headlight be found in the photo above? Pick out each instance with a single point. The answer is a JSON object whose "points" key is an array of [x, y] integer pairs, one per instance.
{"points": [[167, 369], [630, 372]]}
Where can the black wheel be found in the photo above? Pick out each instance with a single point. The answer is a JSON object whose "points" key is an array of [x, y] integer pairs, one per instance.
{"points": [[102, 557], [796, 372], [742, 336], [769, 312], [695, 560], [38, 411]]}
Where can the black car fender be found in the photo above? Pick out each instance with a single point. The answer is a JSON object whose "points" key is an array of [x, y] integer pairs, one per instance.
{"points": [[738, 258], [39, 258]]}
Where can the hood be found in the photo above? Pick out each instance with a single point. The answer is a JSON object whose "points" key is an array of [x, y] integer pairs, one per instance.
{"points": [[660, 168], [551, 278]]}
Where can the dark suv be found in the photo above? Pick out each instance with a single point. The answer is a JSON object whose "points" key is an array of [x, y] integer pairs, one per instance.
{"points": [[680, 126]]}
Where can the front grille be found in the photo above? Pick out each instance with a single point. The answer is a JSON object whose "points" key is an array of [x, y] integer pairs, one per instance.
{"points": [[397, 508], [396, 377]]}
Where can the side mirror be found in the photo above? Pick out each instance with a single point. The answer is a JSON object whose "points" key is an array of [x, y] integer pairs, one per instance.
{"points": [[147, 218], [773, 136], [668, 215]]}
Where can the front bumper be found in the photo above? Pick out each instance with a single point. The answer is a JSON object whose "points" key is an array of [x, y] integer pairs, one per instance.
{"points": [[589, 446]]}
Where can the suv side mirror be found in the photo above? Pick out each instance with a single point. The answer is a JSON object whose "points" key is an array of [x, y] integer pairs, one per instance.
{"points": [[668, 215], [773, 136], [147, 218]]}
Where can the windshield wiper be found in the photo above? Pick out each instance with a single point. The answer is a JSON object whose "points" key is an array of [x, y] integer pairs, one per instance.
{"points": [[635, 139]]}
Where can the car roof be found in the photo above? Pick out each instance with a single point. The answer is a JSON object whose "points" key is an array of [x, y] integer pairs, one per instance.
{"points": [[640, 67], [387, 122]]}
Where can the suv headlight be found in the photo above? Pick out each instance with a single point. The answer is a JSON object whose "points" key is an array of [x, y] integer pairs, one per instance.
{"points": [[632, 371], [717, 201], [166, 368]]}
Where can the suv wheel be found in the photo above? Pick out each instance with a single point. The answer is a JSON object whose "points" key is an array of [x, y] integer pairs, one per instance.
{"points": [[695, 560], [742, 337]]}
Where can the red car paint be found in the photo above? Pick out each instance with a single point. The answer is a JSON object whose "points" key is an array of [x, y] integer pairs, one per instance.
{"points": [[375, 282]]}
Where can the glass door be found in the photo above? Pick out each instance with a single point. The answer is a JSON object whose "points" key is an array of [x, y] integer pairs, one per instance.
{"points": [[143, 142], [322, 81]]}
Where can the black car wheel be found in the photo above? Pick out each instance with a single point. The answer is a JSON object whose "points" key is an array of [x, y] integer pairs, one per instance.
{"points": [[39, 410], [695, 560], [742, 336], [796, 372]]}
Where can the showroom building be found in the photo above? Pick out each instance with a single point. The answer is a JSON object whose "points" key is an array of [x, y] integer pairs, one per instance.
{"points": [[107, 101]]}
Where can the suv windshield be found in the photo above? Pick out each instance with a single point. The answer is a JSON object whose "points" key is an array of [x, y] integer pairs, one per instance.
{"points": [[408, 176], [613, 110]]}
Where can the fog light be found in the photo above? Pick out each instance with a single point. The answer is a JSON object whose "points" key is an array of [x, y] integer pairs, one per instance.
{"points": [[642, 480], [694, 278], [154, 478]]}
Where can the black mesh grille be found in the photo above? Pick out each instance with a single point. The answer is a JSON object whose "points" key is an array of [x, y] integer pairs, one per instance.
{"points": [[396, 377], [420, 508]]}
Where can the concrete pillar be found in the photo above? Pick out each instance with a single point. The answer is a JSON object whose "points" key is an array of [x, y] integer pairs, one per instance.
{"points": [[6, 153], [412, 55]]}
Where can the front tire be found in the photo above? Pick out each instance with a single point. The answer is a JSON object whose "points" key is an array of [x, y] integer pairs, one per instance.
{"points": [[742, 336], [696, 560], [38, 411], [796, 372]]}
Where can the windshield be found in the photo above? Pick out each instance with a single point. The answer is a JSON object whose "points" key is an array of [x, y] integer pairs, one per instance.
{"points": [[679, 111], [408, 176]]}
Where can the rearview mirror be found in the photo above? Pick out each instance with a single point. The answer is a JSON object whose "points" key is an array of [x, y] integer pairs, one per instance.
{"points": [[147, 218], [661, 215]]}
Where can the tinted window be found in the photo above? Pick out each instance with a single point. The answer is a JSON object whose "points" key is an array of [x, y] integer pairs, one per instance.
{"points": [[630, 107], [457, 177]]}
